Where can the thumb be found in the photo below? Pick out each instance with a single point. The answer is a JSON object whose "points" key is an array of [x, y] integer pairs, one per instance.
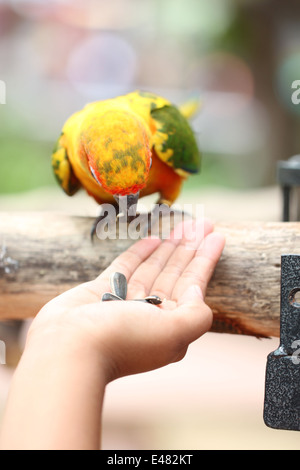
{"points": [[197, 315]]}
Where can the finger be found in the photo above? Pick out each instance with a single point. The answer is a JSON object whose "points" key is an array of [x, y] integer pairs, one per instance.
{"points": [[148, 275], [141, 281], [127, 262], [143, 278], [192, 314], [201, 267], [180, 259], [189, 320], [92, 291]]}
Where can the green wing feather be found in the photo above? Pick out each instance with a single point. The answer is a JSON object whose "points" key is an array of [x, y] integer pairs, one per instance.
{"points": [[174, 140], [63, 170]]}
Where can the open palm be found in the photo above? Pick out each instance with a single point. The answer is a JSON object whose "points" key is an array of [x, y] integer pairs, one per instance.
{"points": [[133, 337]]}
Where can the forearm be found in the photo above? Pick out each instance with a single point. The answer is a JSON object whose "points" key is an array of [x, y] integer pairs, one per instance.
{"points": [[55, 400]]}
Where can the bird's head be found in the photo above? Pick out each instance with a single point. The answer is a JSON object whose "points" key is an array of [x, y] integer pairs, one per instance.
{"points": [[119, 155]]}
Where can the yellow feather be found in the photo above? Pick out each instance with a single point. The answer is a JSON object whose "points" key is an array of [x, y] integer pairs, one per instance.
{"points": [[116, 136], [190, 108]]}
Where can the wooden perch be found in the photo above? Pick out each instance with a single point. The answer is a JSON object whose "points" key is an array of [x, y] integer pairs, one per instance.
{"points": [[44, 254]]}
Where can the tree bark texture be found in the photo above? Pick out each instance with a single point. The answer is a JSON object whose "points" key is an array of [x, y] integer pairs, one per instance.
{"points": [[44, 254]]}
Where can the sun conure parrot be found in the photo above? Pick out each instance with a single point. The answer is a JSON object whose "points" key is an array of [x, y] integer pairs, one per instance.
{"points": [[133, 145]]}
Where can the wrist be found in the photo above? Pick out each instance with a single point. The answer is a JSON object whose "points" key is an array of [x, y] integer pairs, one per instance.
{"points": [[62, 348], [74, 335], [62, 381]]}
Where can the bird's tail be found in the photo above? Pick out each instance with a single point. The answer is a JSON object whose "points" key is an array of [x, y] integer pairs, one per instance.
{"points": [[190, 108]]}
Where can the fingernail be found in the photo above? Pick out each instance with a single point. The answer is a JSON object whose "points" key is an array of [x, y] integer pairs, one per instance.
{"points": [[194, 292], [198, 291]]}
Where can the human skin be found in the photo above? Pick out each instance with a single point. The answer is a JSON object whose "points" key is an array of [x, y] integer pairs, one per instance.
{"points": [[77, 344]]}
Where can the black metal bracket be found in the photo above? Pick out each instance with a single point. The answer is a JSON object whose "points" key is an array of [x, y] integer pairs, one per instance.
{"points": [[288, 176], [282, 386]]}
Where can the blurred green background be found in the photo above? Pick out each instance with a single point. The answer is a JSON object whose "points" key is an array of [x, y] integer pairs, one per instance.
{"points": [[239, 57]]}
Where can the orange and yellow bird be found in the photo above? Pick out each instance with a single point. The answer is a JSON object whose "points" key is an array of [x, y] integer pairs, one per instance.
{"points": [[132, 145]]}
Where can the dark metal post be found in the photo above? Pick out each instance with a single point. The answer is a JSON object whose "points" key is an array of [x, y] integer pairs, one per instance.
{"points": [[282, 388], [288, 176], [286, 190]]}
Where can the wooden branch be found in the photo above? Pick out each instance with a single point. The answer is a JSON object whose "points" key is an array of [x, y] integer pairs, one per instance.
{"points": [[44, 254]]}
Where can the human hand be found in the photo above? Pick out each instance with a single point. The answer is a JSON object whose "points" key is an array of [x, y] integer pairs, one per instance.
{"points": [[131, 337]]}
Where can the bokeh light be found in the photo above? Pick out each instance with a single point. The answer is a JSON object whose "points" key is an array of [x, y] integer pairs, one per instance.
{"points": [[56, 56], [224, 73], [102, 65], [239, 58]]}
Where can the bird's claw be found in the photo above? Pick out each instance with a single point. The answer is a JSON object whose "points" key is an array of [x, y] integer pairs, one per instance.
{"points": [[94, 226]]}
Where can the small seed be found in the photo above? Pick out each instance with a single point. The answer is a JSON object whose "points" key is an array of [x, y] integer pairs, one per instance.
{"points": [[153, 299], [118, 285], [150, 299], [108, 296]]}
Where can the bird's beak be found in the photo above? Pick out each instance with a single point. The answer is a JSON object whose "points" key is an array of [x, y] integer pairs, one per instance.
{"points": [[126, 202]]}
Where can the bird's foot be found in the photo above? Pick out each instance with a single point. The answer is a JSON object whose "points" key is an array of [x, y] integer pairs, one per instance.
{"points": [[113, 224], [94, 226], [161, 211], [122, 218], [103, 223], [163, 219]]}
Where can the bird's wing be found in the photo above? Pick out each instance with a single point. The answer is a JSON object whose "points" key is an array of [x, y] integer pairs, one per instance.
{"points": [[174, 140], [62, 168]]}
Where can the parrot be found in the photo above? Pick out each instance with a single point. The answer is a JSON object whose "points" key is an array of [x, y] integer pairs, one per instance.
{"points": [[132, 145]]}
